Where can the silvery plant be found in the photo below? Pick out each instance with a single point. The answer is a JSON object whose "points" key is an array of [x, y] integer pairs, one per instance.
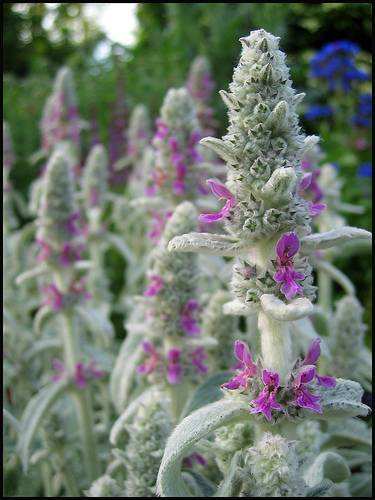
{"points": [[321, 186], [254, 433], [177, 172], [201, 86], [64, 397], [160, 362], [60, 124]]}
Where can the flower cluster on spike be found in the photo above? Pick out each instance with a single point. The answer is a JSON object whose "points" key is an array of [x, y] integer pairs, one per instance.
{"points": [[60, 120], [176, 174], [200, 86], [172, 308], [273, 398], [59, 236], [139, 133]]}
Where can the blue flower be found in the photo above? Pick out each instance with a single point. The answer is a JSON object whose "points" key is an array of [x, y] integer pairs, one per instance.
{"points": [[318, 111], [364, 111], [335, 63], [365, 170]]}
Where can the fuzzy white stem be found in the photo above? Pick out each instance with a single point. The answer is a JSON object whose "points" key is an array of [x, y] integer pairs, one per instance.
{"points": [[275, 344]]}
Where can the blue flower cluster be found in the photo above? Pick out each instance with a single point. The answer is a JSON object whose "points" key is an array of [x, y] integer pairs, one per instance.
{"points": [[365, 170], [335, 63], [364, 111], [317, 111]]}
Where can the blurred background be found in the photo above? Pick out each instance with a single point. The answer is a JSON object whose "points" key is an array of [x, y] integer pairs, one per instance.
{"points": [[125, 54]]}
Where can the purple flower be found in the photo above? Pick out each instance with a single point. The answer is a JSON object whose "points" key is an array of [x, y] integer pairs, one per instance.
{"points": [[188, 322], [70, 254], [287, 246], [220, 191], [53, 297], [302, 396], [174, 368], [316, 208], [71, 224], [247, 368], [162, 129], [266, 401], [194, 457], [311, 358], [82, 373], [198, 356], [155, 285], [153, 358]]}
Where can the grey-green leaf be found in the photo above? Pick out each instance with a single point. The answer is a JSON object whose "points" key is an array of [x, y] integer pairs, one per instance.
{"points": [[206, 393], [33, 415], [193, 428]]}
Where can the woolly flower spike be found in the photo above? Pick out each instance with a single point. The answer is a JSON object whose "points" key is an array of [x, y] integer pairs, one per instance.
{"points": [[139, 131], [266, 401], [174, 368], [150, 365], [221, 192], [156, 284], [287, 246], [95, 174], [188, 321], [247, 367]]}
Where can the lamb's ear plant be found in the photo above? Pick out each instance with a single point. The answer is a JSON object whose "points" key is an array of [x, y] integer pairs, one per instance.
{"points": [[321, 186], [60, 125], [201, 86], [268, 226], [60, 247]]}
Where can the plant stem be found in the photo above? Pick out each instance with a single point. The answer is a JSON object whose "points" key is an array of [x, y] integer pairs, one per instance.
{"points": [[275, 344], [46, 477], [81, 399]]}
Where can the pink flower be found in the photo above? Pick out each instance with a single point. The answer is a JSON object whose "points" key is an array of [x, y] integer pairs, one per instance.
{"points": [[266, 401], [303, 397], [70, 254], [162, 129], [247, 368], [311, 358], [153, 359], [174, 368], [154, 287], [316, 208], [286, 247], [71, 224], [221, 192], [53, 297], [188, 321], [194, 457]]}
